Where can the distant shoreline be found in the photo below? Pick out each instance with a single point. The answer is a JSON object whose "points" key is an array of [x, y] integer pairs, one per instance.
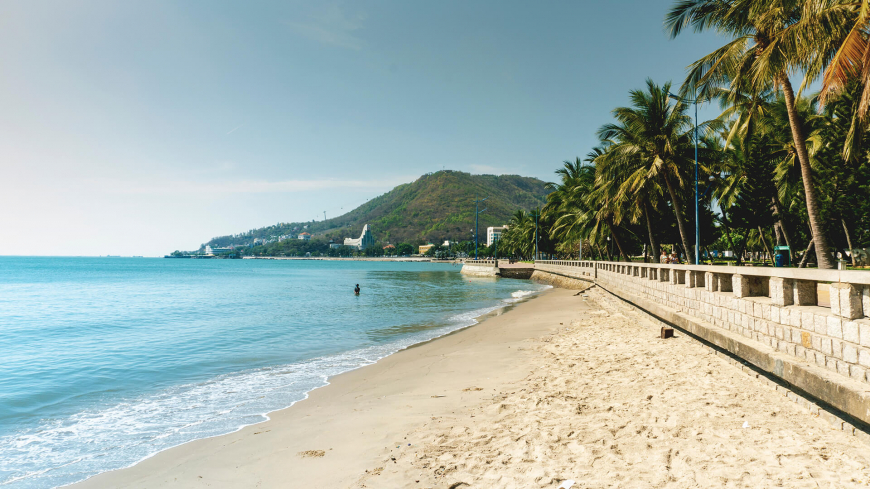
{"points": [[361, 258]]}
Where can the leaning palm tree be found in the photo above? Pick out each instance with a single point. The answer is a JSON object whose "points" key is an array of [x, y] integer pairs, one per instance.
{"points": [[624, 172], [577, 179], [653, 141], [765, 49], [837, 46]]}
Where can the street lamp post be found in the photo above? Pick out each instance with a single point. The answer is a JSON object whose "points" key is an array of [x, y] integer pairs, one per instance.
{"points": [[536, 213], [697, 213], [476, 213]]}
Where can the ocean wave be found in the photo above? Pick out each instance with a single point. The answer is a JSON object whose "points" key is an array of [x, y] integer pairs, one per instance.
{"points": [[124, 433]]}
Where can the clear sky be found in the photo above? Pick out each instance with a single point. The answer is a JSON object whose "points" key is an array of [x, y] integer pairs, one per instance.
{"points": [[138, 128]]}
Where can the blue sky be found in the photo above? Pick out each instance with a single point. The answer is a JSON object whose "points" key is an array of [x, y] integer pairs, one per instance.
{"points": [[138, 128]]}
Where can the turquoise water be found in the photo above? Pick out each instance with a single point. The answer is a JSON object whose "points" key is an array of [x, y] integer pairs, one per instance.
{"points": [[106, 361]]}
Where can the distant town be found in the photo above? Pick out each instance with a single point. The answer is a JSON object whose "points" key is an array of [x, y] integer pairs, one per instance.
{"points": [[305, 244]]}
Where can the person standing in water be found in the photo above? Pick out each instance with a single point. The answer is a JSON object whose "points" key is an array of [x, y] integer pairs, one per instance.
{"points": [[356, 290]]}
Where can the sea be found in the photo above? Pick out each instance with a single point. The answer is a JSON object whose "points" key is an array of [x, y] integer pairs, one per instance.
{"points": [[106, 361]]}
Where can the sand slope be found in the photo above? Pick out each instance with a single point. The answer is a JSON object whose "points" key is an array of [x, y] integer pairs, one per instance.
{"points": [[608, 404]]}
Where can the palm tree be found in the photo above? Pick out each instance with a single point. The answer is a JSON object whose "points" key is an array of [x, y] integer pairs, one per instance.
{"points": [[653, 141], [577, 180], [624, 173], [765, 49], [519, 237], [750, 117]]}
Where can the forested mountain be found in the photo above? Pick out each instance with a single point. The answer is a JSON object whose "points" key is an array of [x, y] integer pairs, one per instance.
{"points": [[435, 207]]}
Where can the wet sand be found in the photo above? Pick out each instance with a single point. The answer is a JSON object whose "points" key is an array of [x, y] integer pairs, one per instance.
{"points": [[567, 385]]}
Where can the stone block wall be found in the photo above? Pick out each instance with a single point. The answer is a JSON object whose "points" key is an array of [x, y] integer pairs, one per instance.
{"points": [[776, 307]]}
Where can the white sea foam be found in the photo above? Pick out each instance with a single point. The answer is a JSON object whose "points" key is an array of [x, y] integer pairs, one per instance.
{"points": [[107, 438], [524, 293]]}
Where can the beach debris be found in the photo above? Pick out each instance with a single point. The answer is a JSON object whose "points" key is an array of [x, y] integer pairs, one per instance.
{"points": [[312, 454], [667, 332], [434, 397], [467, 389], [567, 484], [746, 424]]}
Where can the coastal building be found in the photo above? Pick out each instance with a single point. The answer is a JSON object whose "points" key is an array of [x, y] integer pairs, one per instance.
{"points": [[335, 245], [364, 241], [305, 236], [216, 251], [389, 249], [425, 248], [493, 234]]}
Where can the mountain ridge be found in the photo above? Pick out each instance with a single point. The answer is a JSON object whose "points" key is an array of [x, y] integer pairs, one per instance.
{"points": [[435, 207]]}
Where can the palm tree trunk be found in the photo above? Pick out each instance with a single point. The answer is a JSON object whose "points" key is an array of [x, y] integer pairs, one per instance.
{"points": [[679, 212], [618, 244], [653, 244], [727, 229], [849, 241], [764, 242], [777, 208], [823, 256], [803, 262]]}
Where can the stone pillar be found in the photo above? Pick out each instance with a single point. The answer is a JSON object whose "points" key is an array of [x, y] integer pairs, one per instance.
{"points": [[846, 301], [710, 282], [865, 299], [740, 285], [781, 291], [674, 276], [804, 293], [643, 272], [691, 279]]}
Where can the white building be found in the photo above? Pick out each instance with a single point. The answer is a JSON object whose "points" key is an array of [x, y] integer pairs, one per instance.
{"points": [[364, 241], [216, 251], [305, 236], [493, 234]]}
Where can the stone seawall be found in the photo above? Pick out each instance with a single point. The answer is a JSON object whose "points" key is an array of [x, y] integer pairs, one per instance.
{"points": [[560, 281], [773, 322], [518, 273]]}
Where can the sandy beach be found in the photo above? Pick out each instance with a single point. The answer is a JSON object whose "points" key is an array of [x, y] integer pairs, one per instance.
{"points": [[568, 385]]}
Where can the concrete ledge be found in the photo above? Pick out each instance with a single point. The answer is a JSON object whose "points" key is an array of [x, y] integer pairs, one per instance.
{"points": [[561, 281], [479, 270], [851, 397]]}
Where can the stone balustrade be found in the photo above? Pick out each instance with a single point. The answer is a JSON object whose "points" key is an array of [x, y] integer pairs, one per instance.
{"points": [[778, 307]]}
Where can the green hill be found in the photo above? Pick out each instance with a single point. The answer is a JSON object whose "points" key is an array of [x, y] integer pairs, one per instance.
{"points": [[433, 208]]}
